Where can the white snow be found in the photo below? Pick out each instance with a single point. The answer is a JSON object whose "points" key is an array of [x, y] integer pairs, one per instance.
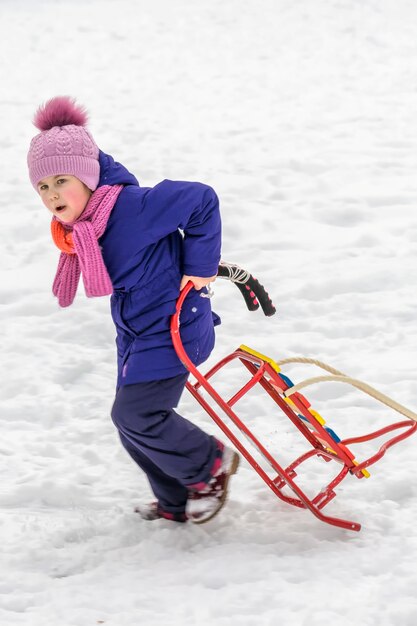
{"points": [[303, 116]]}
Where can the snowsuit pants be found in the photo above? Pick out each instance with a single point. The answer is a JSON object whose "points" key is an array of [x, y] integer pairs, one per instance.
{"points": [[174, 453]]}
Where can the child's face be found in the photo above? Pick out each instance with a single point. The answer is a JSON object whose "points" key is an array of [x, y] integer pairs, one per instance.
{"points": [[64, 195]]}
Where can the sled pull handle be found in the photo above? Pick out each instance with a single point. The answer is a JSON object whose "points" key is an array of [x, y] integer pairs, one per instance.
{"points": [[251, 289]]}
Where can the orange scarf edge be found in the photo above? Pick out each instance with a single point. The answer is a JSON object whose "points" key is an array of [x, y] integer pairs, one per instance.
{"points": [[62, 238]]}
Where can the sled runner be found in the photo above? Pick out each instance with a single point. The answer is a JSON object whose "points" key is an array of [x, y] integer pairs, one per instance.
{"points": [[323, 442]]}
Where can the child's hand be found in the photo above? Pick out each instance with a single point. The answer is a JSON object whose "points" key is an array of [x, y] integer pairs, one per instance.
{"points": [[198, 281]]}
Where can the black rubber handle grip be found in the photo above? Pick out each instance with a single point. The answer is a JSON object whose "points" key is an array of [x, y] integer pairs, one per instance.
{"points": [[251, 289]]}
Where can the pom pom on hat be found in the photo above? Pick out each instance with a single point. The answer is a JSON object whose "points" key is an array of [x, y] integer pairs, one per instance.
{"points": [[60, 111], [64, 145]]}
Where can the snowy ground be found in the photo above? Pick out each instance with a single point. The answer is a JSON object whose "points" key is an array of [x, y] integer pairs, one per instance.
{"points": [[303, 116]]}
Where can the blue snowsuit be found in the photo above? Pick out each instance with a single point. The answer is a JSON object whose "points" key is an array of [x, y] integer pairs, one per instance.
{"points": [[154, 236]]}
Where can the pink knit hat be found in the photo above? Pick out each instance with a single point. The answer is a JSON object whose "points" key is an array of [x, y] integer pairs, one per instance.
{"points": [[63, 146]]}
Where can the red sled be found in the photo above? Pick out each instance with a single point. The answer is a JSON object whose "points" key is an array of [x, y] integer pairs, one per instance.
{"points": [[323, 442]]}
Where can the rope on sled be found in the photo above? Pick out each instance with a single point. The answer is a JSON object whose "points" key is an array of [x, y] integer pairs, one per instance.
{"points": [[342, 378], [304, 359]]}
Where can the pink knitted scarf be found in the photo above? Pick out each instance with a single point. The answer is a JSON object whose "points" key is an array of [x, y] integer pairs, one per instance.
{"points": [[80, 252]]}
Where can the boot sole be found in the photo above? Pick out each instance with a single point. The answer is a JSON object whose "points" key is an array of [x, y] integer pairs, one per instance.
{"points": [[222, 501]]}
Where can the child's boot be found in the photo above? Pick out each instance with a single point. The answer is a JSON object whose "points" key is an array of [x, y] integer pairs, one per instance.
{"points": [[153, 511], [205, 503]]}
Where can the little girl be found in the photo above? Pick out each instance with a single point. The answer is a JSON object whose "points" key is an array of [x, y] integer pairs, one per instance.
{"points": [[142, 245]]}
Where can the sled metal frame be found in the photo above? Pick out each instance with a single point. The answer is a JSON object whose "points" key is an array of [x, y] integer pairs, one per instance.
{"points": [[265, 372]]}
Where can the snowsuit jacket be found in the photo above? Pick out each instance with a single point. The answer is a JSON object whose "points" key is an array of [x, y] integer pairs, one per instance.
{"points": [[155, 235]]}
